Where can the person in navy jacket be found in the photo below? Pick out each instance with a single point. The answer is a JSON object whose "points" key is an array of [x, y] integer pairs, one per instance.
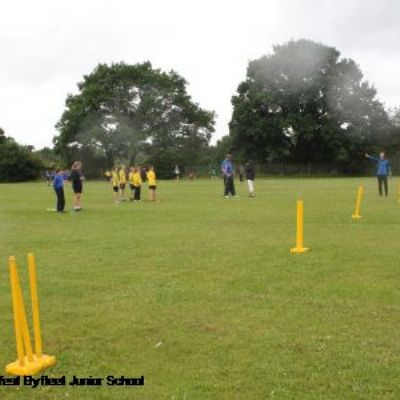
{"points": [[382, 173]]}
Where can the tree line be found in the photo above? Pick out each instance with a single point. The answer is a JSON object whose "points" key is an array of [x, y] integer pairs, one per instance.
{"points": [[301, 104]]}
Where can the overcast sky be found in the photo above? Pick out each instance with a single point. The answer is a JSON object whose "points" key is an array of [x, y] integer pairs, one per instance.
{"points": [[47, 46]]}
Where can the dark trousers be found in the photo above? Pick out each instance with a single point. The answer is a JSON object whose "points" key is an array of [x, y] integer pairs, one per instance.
{"points": [[60, 199], [136, 193], [382, 180], [229, 186]]}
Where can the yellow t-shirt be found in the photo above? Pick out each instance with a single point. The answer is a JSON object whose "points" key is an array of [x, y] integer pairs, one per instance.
{"points": [[151, 177], [114, 178], [122, 176], [131, 178], [137, 180]]}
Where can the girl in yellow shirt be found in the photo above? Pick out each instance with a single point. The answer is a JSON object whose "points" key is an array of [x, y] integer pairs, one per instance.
{"points": [[131, 181], [115, 184], [137, 183], [151, 178], [122, 182]]}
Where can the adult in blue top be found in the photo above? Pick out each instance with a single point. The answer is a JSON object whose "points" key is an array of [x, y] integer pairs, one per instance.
{"points": [[228, 171], [382, 172]]}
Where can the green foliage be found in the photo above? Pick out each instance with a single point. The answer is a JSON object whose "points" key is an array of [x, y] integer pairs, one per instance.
{"points": [[304, 103], [48, 158], [125, 113], [17, 163]]}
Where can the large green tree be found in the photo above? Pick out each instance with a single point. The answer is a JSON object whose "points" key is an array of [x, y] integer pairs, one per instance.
{"points": [[17, 163], [133, 113], [304, 103]]}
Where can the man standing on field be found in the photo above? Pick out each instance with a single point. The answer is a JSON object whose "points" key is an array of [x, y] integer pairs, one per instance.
{"points": [[382, 172], [228, 172]]}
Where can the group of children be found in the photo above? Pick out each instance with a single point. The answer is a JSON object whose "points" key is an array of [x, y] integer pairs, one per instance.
{"points": [[136, 177]]}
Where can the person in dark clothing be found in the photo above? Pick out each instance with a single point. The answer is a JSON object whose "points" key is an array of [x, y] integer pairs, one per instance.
{"points": [[58, 185], [382, 173], [143, 174], [228, 172], [241, 173], [250, 176], [76, 178]]}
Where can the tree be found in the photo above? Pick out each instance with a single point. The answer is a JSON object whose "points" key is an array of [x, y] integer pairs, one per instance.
{"points": [[127, 113], [17, 163], [304, 103], [2, 135]]}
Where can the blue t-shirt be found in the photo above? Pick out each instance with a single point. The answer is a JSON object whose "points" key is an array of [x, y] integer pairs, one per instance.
{"points": [[227, 168], [58, 182], [383, 166]]}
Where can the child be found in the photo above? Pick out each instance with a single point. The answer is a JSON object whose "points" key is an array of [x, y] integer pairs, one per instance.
{"points": [[213, 173], [131, 181], [151, 178], [58, 184], [241, 173], [143, 174], [177, 172], [250, 176], [115, 184], [122, 182], [137, 183]]}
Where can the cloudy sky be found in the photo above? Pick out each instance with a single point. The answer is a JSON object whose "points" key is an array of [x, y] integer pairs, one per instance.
{"points": [[47, 46]]}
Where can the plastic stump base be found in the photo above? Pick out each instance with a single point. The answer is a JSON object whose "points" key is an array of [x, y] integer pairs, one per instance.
{"points": [[356, 216], [299, 250], [46, 361], [30, 367]]}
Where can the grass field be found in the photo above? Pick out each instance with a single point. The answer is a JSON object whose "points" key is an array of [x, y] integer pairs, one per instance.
{"points": [[201, 295]]}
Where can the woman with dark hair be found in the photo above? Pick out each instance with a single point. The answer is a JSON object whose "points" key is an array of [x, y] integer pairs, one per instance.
{"points": [[76, 178]]}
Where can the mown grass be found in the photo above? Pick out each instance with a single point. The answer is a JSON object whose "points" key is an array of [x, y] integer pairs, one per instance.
{"points": [[200, 294]]}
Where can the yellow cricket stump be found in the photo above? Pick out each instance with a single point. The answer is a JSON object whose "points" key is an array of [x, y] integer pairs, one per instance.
{"points": [[27, 363], [299, 249], [360, 195]]}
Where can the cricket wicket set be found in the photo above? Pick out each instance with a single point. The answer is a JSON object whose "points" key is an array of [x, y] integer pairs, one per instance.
{"points": [[28, 362]]}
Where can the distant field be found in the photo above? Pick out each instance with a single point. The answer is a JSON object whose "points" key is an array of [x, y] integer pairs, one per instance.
{"points": [[200, 294]]}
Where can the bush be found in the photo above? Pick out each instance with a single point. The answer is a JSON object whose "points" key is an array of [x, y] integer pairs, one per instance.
{"points": [[17, 163]]}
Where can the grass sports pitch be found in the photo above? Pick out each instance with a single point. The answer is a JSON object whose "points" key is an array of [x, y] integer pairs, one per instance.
{"points": [[201, 295]]}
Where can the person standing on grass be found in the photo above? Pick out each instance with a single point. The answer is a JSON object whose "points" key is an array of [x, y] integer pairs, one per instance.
{"points": [[241, 173], [152, 180], [58, 185], [228, 172], [76, 178], [131, 183], [115, 184], [137, 183], [122, 182], [383, 170], [177, 172], [213, 173], [250, 176], [143, 174]]}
